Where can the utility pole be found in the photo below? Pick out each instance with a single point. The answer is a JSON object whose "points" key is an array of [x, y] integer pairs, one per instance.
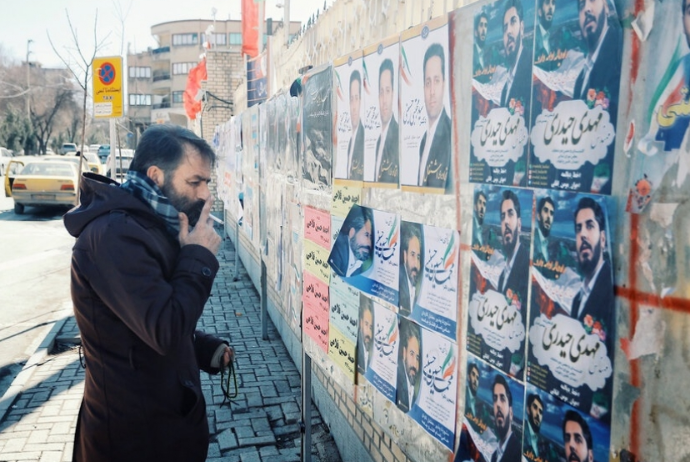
{"points": [[28, 81]]}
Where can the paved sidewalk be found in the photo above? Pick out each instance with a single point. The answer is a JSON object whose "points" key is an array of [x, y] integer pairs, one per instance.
{"points": [[262, 425]]}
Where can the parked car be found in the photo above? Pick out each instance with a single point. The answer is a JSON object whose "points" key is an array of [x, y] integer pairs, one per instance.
{"points": [[67, 148], [123, 157], [94, 162], [103, 152], [45, 182], [94, 147], [5, 157]]}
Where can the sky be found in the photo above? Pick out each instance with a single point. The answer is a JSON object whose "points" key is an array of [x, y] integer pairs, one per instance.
{"points": [[24, 20]]}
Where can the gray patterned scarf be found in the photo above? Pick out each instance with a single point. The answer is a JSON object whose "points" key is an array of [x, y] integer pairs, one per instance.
{"points": [[143, 188]]}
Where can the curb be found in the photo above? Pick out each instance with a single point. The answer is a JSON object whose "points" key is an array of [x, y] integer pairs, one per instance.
{"points": [[39, 356]]}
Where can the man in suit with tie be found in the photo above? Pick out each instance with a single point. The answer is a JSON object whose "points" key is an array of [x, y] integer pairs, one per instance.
{"points": [[518, 86], [365, 336], [434, 156], [515, 274], [545, 213], [355, 148], [355, 243], [408, 365], [410, 266], [604, 52], [479, 58], [595, 298], [386, 167], [509, 443]]}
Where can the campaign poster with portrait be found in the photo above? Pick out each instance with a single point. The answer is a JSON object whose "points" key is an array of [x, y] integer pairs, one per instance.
{"points": [[572, 325], [552, 429], [434, 409], [366, 252], [501, 92], [425, 138], [577, 65], [344, 197], [317, 127], [349, 148], [385, 340], [429, 270], [494, 406], [499, 276], [294, 139], [381, 113]]}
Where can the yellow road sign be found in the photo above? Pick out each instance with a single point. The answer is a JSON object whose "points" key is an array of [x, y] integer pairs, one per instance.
{"points": [[107, 87]]}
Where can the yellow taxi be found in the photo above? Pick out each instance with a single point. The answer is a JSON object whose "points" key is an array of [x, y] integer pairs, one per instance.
{"points": [[45, 182]]}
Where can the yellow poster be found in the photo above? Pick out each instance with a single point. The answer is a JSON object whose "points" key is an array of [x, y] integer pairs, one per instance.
{"points": [[342, 351], [316, 261], [107, 87]]}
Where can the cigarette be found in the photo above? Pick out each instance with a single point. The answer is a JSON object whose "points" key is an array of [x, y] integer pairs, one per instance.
{"points": [[216, 219]]}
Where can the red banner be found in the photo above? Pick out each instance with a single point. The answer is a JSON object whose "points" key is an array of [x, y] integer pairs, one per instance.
{"points": [[192, 104], [250, 28]]}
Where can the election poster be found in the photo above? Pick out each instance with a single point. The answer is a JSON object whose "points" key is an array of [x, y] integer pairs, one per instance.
{"points": [[316, 304], [317, 226], [344, 307], [499, 276], [316, 260], [555, 431], [294, 140], [572, 313], [577, 65], [429, 274], [381, 113], [366, 252], [501, 92], [425, 138], [341, 350], [349, 149], [317, 127], [436, 369], [492, 423], [383, 362], [344, 197]]}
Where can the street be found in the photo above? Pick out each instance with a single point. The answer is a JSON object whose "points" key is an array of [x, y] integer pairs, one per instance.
{"points": [[35, 252]]}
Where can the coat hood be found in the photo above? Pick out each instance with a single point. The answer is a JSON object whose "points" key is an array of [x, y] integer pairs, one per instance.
{"points": [[99, 196]]}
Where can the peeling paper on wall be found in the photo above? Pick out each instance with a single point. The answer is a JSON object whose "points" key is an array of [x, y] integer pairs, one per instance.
{"points": [[649, 335], [643, 23], [662, 213]]}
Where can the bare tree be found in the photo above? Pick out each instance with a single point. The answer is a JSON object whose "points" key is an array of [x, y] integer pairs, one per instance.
{"points": [[80, 67]]}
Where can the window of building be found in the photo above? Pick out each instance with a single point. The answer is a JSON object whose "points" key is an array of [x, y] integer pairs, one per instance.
{"points": [[139, 100], [235, 38], [177, 97], [182, 68], [220, 39], [185, 39], [136, 72]]}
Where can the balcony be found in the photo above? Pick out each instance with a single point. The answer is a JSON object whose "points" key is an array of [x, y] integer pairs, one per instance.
{"points": [[163, 105], [160, 50], [159, 75]]}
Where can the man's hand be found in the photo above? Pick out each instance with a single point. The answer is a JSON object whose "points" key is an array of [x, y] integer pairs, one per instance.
{"points": [[203, 233], [228, 356]]}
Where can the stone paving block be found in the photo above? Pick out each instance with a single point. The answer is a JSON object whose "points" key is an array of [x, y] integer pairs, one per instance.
{"points": [[34, 456], [244, 432], [227, 440], [51, 456], [257, 440], [250, 457], [261, 425]]}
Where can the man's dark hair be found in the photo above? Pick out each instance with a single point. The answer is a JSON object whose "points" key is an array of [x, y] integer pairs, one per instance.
{"points": [[360, 218], [477, 194], [513, 4], [573, 416], [500, 380], [589, 203], [164, 146], [510, 195], [408, 330], [543, 201], [435, 50], [408, 231], [387, 65], [356, 76], [532, 398], [471, 366], [366, 305], [482, 14]]}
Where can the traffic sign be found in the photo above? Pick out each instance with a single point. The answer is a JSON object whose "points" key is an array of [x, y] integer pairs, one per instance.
{"points": [[107, 87]]}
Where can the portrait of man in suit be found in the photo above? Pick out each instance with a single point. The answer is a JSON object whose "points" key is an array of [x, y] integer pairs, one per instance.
{"points": [[407, 387], [577, 438], [545, 214], [603, 42], [543, 44], [410, 266], [595, 298], [509, 443], [471, 404], [355, 148], [354, 244], [515, 272], [365, 334], [478, 218], [518, 56], [479, 58], [435, 147], [386, 167]]}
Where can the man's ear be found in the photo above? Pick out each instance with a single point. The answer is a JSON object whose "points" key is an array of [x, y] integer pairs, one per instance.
{"points": [[352, 232], [156, 174]]}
